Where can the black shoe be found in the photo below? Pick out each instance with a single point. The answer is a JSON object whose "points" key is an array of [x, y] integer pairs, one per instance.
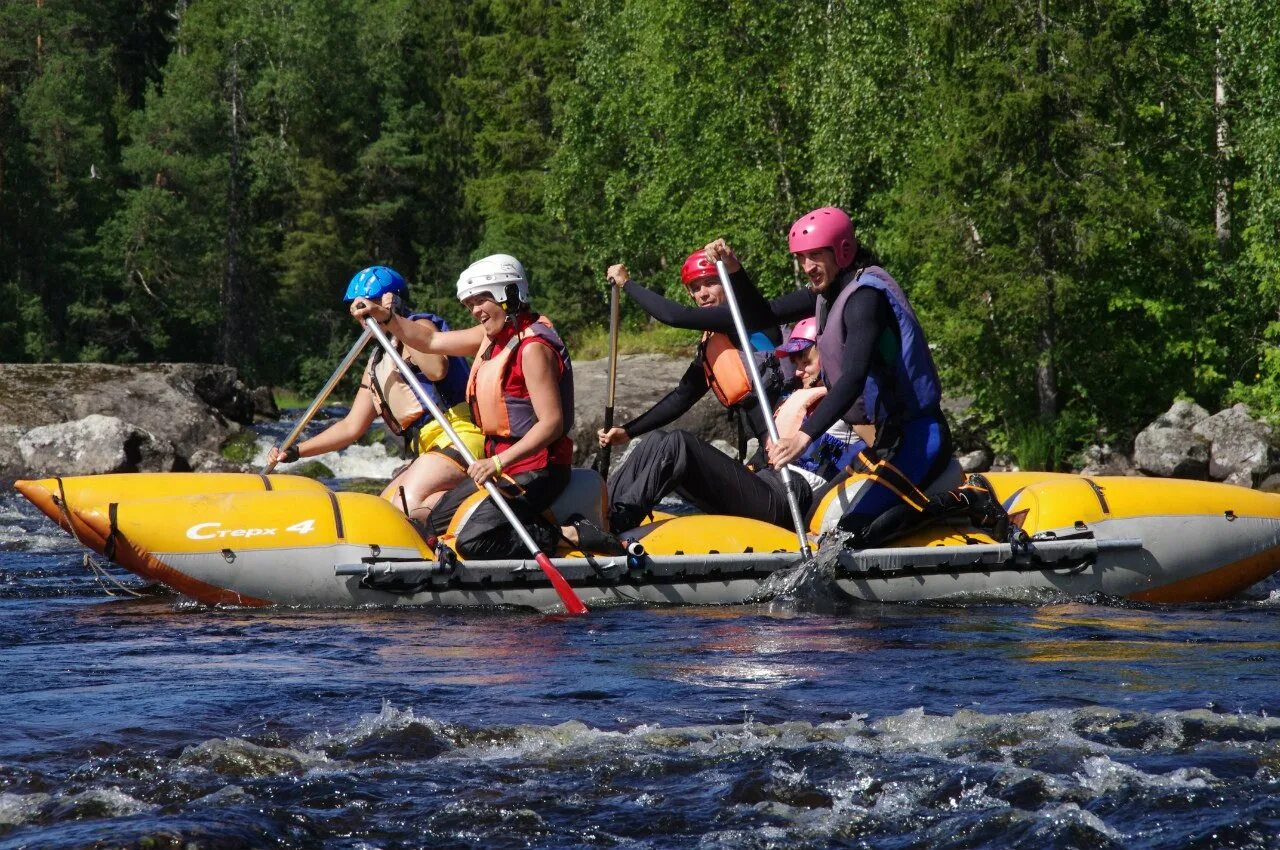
{"points": [[591, 538], [624, 517]]}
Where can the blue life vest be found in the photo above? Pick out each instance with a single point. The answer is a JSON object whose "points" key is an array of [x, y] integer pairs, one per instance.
{"points": [[905, 388]]}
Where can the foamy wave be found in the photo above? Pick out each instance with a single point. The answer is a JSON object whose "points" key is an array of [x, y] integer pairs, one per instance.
{"points": [[355, 461], [1101, 775], [1071, 815], [100, 803], [17, 809], [247, 760]]}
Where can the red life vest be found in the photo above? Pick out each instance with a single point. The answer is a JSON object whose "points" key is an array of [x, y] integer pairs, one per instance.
{"points": [[498, 414]]}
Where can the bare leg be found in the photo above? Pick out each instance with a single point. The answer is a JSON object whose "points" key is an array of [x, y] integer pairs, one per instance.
{"points": [[428, 478]]}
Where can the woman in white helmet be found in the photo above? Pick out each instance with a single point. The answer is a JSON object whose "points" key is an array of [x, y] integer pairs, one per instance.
{"points": [[521, 396]]}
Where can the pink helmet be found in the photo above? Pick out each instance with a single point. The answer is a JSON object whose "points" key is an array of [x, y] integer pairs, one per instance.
{"points": [[826, 227], [803, 335]]}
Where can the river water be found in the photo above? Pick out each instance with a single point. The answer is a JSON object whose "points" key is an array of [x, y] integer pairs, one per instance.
{"points": [[154, 723]]}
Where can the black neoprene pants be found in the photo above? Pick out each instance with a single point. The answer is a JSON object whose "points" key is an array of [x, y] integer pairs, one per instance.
{"points": [[667, 461]]}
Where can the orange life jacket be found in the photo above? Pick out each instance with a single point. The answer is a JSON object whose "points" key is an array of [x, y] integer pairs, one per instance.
{"points": [[725, 368], [393, 399]]}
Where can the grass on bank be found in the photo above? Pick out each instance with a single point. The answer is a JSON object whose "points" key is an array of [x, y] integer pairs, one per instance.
{"points": [[593, 344]]}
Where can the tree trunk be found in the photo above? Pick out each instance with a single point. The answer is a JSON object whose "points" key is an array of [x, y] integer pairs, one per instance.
{"points": [[1046, 369], [235, 314], [1221, 197]]}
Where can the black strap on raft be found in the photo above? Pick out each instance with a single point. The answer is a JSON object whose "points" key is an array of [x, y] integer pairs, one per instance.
{"points": [[61, 501], [337, 515], [109, 545], [880, 471], [973, 500]]}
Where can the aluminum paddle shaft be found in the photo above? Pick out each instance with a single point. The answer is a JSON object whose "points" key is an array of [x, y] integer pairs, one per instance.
{"points": [[321, 397], [763, 398], [571, 602]]}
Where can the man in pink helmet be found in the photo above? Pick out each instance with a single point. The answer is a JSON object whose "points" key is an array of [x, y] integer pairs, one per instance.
{"points": [[873, 350]]}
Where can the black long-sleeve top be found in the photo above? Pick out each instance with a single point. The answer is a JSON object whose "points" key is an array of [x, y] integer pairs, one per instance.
{"points": [[872, 331]]}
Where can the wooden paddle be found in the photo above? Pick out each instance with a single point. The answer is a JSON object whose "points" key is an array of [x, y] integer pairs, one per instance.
{"points": [[321, 397], [615, 311]]}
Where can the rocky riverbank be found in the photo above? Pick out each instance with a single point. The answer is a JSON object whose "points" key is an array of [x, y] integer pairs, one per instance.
{"points": [[85, 418], [79, 419]]}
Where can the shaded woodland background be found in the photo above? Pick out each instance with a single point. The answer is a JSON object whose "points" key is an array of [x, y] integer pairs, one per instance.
{"points": [[1082, 198]]}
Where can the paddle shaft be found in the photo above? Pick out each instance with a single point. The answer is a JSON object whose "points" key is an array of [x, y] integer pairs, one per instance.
{"points": [[321, 397], [570, 599], [615, 312], [756, 382]]}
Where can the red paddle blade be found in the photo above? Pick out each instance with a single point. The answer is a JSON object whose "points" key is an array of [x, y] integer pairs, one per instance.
{"points": [[572, 603]]}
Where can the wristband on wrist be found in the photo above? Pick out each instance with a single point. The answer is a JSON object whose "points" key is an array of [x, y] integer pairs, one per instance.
{"points": [[497, 465], [290, 454]]}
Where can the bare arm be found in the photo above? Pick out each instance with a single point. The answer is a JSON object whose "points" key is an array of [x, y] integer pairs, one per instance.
{"points": [[340, 434], [433, 366], [421, 336]]}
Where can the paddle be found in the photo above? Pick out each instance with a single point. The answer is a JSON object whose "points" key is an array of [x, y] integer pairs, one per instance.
{"points": [[571, 602], [745, 339], [615, 311], [321, 397]]}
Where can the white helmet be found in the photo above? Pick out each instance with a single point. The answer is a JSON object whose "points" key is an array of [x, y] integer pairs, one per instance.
{"points": [[492, 276]]}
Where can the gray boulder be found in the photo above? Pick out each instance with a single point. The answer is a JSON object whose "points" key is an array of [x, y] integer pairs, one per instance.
{"points": [[191, 405], [264, 403], [1241, 449], [1183, 414], [1171, 452], [967, 432], [1105, 460], [95, 444], [203, 460], [978, 460], [10, 457]]}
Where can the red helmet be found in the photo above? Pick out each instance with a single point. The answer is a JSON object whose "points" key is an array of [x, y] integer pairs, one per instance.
{"points": [[696, 266], [826, 227]]}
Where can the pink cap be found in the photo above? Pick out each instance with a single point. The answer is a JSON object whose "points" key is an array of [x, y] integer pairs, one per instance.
{"points": [[803, 335]]}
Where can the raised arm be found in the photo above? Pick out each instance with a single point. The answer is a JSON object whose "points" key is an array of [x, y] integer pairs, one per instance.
{"points": [[422, 336]]}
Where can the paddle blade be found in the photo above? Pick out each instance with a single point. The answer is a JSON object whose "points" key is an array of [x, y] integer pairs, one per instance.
{"points": [[571, 602]]}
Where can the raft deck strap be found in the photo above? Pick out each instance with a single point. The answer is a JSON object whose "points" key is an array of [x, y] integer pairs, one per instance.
{"points": [[1036, 554]]}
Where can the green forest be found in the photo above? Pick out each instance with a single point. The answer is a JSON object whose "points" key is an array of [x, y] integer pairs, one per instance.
{"points": [[1082, 198]]}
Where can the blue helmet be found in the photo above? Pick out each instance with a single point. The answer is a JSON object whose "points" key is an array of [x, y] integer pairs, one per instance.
{"points": [[374, 282]]}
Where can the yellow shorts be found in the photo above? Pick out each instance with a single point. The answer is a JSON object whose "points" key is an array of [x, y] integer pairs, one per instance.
{"points": [[433, 436]]}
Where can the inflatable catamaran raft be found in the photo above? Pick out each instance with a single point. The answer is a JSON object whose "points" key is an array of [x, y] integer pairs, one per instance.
{"points": [[248, 539]]}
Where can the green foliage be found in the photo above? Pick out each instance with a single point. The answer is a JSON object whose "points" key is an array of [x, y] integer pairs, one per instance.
{"points": [[197, 181], [593, 344], [1034, 446]]}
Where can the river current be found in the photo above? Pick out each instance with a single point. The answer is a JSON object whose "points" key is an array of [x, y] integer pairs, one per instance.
{"points": [[155, 723]]}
